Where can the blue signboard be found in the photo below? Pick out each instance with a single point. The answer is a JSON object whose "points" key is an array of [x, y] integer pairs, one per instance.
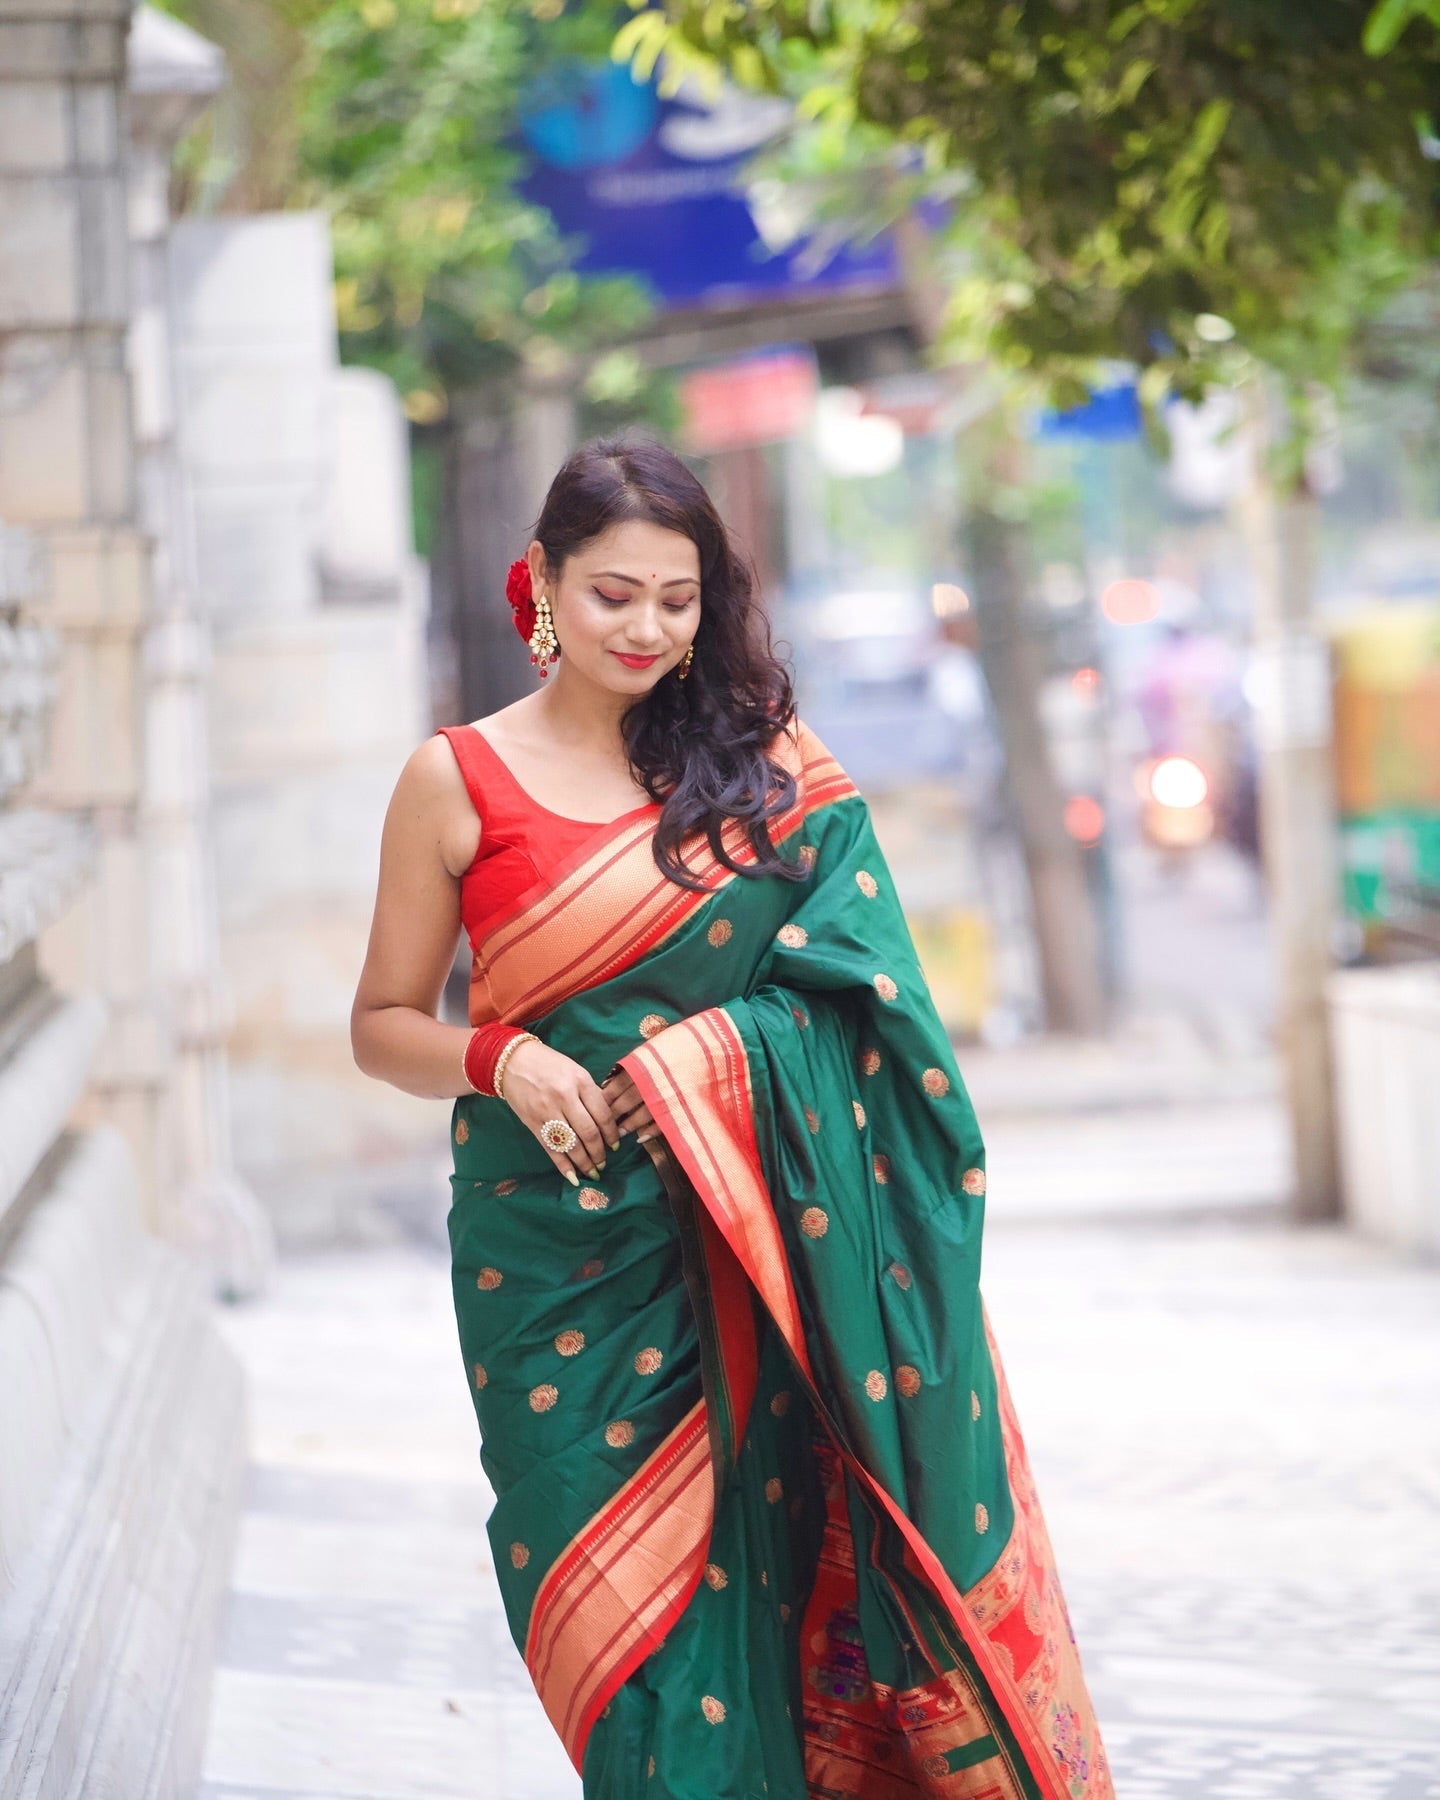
{"points": [[1110, 415], [654, 188]]}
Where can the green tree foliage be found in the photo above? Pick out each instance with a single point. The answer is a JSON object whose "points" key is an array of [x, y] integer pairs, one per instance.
{"points": [[397, 117], [1178, 183]]}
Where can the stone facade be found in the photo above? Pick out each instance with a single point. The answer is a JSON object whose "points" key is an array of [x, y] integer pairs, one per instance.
{"points": [[122, 1431], [296, 475]]}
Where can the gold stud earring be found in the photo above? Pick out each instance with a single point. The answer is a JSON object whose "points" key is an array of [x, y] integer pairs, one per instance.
{"points": [[686, 661], [544, 646]]}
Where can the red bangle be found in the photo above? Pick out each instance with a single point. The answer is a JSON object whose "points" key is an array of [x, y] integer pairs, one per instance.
{"points": [[483, 1051]]}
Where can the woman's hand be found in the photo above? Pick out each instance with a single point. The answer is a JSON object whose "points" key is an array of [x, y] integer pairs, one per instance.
{"points": [[540, 1084], [625, 1102]]}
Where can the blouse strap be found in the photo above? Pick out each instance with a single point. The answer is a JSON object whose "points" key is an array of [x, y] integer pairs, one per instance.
{"points": [[469, 753]]}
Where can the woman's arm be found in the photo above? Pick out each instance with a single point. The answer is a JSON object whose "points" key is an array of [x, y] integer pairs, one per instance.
{"points": [[429, 837]]}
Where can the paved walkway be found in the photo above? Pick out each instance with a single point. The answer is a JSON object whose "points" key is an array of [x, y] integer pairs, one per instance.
{"points": [[1236, 1431]]}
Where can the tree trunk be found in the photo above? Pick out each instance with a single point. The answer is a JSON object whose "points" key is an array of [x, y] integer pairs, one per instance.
{"points": [[1067, 937], [1297, 815], [1062, 908]]}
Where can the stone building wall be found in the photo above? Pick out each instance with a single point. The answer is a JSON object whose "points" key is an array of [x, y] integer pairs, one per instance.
{"points": [[122, 1432]]}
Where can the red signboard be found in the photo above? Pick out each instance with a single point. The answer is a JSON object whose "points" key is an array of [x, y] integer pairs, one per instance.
{"points": [[757, 400]]}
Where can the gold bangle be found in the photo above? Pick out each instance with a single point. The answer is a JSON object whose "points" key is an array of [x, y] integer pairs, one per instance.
{"points": [[498, 1078]]}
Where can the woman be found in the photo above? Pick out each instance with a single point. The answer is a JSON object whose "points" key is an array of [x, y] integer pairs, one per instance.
{"points": [[764, 1523]]}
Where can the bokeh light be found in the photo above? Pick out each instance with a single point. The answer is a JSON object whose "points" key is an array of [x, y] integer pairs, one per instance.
{"points": [[1177, 781], [1130, 601], [1084, 818]]}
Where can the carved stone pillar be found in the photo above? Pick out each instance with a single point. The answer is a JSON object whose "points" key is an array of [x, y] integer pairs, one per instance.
{"points": [[173, 73]]}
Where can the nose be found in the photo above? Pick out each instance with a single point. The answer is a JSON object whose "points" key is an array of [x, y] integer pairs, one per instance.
{"points": [[643, 633]]}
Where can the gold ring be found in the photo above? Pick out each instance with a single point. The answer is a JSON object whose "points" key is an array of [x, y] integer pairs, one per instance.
{"points": [[555, 1134]]}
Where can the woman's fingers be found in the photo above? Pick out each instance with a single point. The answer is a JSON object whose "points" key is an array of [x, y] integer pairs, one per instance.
{"points": [[625, 1102], [596, 1102]]}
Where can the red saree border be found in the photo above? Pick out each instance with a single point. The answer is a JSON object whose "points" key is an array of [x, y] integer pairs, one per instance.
{"points": [[613, 905], [694, 1077], [610, 1597], [697, 1088]]}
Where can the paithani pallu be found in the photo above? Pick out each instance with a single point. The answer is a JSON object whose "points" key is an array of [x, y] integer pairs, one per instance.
{"points": [[764, 1521]]}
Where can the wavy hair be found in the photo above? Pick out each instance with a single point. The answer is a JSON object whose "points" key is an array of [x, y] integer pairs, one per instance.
{"points": [[699, 746]]}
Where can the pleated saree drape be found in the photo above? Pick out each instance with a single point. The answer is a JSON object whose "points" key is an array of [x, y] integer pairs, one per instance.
{"points": [[764, 1521]]}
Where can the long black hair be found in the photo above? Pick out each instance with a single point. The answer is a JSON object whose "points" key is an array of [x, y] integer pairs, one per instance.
{"points": [[700, 746]]}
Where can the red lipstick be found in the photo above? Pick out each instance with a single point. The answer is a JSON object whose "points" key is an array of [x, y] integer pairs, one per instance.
{"points": [[636, 662]]}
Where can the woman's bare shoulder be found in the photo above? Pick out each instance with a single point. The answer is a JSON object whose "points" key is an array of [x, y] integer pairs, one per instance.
{"points": [[432, 800]]}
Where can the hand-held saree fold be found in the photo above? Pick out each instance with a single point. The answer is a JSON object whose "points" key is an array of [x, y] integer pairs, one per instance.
{"points": [[764, 1519]]}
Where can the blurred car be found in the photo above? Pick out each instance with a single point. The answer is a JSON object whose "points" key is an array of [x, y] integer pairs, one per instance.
{"points": [[877, 683]]}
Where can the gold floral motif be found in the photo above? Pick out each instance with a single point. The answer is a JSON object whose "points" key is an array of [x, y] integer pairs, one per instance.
{"points": [[481, 1378], [869, 1061], [795, 936], [867, 883], [974, 1404], [907, 1378], [773, 1489], [935, 1767], [716, 1576], [807, 855], [764, 1578], [651, 1023], [812, 1119], [876, 1385], [859, 1111], [720, 932], [648, 1360], [982, 1518], [784, 1613], [488, 1279], [973, 1181], [713, 1709], [780, 1404], [619, 1433], [462, 1131], [797, 1507], [592, 1199], [542, 1398], [814, 1221], [507, 1186], [884, 987], [519, 1555], [881, 1165], [570, 1343], [650, 1766], [901, 1274], [935, 1083], [800, 1016]]}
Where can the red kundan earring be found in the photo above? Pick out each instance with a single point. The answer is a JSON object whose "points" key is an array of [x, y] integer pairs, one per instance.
{"points": [[533, 619]]}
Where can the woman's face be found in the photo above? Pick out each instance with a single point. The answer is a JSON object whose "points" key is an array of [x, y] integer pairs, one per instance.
{"points": [[626, 606]]}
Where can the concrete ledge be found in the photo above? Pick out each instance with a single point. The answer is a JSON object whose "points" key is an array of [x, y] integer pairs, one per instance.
{"points": [[122, 1457], [40, 1084]]}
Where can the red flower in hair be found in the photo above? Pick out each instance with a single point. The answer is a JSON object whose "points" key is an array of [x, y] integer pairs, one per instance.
{"points": [[520, 596]]}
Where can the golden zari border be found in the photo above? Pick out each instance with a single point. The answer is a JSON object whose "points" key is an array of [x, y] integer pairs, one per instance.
{"points": [[609, 1598], [694, 1077], [614, 905]]}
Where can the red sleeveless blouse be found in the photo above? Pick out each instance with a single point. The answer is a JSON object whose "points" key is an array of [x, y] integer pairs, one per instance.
{"points": [[521, 842]]}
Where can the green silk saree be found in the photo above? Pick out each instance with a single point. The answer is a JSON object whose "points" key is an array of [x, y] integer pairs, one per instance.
{"points": [[764, 1521]]}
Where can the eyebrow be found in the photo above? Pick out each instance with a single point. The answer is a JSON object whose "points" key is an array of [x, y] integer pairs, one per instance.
{"points": [[634, 580]]}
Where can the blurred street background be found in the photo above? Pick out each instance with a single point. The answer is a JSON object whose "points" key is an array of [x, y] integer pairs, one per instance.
{"points": [[1072, 379]]}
